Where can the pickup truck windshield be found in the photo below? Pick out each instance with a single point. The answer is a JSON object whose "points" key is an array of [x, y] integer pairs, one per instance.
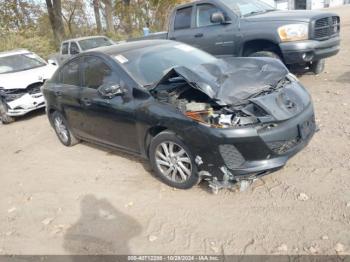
{"points": [[20, 62], [91, 43], [248, 7], [150, 64]]}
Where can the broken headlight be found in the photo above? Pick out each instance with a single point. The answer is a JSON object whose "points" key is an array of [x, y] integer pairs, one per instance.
{"points": [[9, 95], [218, 118]]}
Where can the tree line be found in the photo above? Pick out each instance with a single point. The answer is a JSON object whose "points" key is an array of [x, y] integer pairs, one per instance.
{"points": [[54, 20]]}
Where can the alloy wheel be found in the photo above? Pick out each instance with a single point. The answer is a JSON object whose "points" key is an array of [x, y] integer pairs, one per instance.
{"points": [[61, 129], [173, 162]]}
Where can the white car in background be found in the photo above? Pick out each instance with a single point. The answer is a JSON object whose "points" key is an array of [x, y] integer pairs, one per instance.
{"points": [[22, 73]]}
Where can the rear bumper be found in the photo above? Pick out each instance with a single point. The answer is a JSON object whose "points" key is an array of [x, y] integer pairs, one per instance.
{"points": [[310, 50]]}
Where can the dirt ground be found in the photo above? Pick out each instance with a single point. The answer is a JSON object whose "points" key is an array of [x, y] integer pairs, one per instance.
{"points": [[88, 200]]}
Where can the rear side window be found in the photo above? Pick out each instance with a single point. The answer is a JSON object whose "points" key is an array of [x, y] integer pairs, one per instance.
{"points": [[204, 13], [96, 72], [183, 18], [65, 49], [70, 74]]}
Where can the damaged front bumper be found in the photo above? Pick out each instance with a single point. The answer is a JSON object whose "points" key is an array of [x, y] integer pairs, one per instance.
{"points": [[245, 153], [25, 104], [22, 102]]}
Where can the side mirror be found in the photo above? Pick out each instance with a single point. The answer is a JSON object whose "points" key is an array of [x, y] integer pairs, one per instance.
{"points": [[52, 62], [217, 18], [111, 90]]}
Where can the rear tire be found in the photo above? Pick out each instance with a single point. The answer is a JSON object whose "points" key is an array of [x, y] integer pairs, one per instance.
{"points": [[266, 54], [317, 67], [173, 162], [62, 130], [4, 118]]}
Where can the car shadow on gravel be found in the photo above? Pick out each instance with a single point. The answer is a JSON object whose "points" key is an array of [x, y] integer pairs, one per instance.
{"points": [[203, 185], [300, 71], [100, 230], [30, 115], [123, 154]]}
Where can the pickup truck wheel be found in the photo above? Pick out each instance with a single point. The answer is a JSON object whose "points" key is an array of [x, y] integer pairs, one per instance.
{"points": [[4, 118], [62, 130], [317, 67], [265, 54], [173, 162]]}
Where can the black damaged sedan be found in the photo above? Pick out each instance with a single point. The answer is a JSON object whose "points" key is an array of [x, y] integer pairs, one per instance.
{"points": [[192, 115]]}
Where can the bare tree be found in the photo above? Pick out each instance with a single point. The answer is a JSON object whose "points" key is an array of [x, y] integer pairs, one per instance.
{"points": [[109, 15], [128, 27], [54, 9], [73, 13], [96, 4]]}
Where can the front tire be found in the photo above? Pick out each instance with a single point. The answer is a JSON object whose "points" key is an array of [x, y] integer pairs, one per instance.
{"points": [[62, 130], [173, 162], [317, 67], [266, 54], [4, 118]]}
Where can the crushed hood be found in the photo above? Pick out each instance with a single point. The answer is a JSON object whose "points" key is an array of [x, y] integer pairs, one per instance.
{"points": [[232, 80], [22, 79]]}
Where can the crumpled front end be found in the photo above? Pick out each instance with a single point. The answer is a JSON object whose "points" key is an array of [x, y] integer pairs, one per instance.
{"points": [[252, 115], [22, 101]]}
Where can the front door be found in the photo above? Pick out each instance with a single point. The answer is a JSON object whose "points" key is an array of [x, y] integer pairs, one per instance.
{"points": [[215, 38], [109, 121]]}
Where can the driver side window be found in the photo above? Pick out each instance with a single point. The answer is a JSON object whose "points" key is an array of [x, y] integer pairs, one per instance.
{"points": [[96, 72]]}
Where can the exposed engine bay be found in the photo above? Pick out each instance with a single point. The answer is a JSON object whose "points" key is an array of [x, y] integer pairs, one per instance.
{"points": [[197, 105], [10, 95]]}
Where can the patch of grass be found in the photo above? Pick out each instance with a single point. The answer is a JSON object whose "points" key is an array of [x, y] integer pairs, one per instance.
{"points": [[41, 45]]}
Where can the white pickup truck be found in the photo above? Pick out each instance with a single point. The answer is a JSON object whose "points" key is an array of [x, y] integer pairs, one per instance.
{"points": [[75, 46]]}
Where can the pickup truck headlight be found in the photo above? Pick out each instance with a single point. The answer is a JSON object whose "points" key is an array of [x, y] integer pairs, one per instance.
{"points": [[293, 32]]}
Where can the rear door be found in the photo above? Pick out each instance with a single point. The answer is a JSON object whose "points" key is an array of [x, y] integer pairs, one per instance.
{"points": [[108, 121], [67, 92]]}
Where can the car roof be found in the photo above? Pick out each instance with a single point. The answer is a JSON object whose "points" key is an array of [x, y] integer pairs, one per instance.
{"points": [[84, 38], [128, 46], [14, 52]]}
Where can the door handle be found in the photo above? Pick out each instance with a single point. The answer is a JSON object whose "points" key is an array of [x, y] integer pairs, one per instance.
{"points": [[198, 35], [86, 101], [172, 38]]}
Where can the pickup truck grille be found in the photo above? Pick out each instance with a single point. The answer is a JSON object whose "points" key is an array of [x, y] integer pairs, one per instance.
{"points": [[327, 27]]}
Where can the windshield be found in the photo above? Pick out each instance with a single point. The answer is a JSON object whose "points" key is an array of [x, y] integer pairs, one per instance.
{"points": [[20, 62], [94, 43], [248, 7], [150, 64]]}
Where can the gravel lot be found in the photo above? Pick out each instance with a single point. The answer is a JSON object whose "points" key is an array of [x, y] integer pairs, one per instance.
{"points": [[89, 200]]}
